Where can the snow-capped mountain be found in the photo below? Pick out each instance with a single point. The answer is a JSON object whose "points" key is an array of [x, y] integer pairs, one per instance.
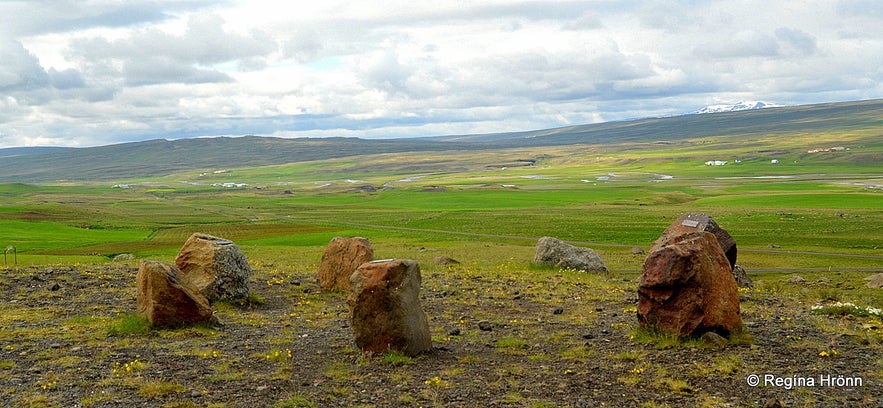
{"points": [[741, 106]]}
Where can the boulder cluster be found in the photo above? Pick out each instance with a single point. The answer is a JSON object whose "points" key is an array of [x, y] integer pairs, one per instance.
{"points": [[383, 296], [206, 269], [688, 285]]}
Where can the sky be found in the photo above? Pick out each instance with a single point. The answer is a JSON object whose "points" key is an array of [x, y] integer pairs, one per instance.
{"points": [[97, 72]]}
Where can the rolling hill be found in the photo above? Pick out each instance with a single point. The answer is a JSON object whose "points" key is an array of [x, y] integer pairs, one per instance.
{"points": [[155, 158], [24, 151]]}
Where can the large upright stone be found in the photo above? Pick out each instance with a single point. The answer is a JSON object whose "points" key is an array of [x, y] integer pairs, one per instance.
{"points": [[341, 258], [687, 288], [385, 307], [692, 222], [555, 252], [166, 300], [216, 267]]}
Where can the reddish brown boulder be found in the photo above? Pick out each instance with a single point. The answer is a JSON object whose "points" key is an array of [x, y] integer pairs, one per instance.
{"points": [[341, 258], [165, 300], [692, 222], [216, 267], [385, 307], [687, 288]]}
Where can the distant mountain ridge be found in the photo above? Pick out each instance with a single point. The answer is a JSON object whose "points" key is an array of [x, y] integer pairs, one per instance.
{"points": [[24, 151], [156, 158], [736, 107]]}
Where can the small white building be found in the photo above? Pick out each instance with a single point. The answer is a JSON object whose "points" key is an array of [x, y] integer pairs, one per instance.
{"points": [[774, 161], [716, 163]]}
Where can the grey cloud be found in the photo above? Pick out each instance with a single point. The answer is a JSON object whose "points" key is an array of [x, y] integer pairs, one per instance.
{"points": [[802, 42], [252, 64], [159, 70], [23, 78], [67, 79], [384, 71], [587, 21], [533, 10], [319, 40], [668, 15], [204, 42], [316, 40], [861, 8], [151, 56], [304, 44], [19, 69], [598, 72], [57, 16], [739, 45]]}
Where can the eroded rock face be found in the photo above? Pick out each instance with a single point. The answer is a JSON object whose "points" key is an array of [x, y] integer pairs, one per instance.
{"points": [[687, 288], [166, 300], [692, 222], [557, 253], [341, 258], [215, 266], [385, 307]]}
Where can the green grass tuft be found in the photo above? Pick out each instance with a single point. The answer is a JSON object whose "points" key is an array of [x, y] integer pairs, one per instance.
{"points": [[396, 358], [129, 325]]}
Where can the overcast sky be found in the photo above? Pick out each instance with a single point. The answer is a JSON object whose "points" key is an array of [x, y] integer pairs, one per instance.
{"points": [[85, 73]]}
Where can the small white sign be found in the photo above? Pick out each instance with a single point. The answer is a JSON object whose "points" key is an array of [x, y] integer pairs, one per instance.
{"points": [[690, 223]]}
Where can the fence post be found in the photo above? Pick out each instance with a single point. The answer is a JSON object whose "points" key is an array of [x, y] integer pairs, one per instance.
{"points": [[14, 255]]}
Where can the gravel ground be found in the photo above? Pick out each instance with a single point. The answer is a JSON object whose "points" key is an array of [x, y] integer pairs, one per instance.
{"points": [[568, 342]]}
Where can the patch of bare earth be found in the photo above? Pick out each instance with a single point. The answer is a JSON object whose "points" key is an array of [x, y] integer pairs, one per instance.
{"points": [[565, 340]]}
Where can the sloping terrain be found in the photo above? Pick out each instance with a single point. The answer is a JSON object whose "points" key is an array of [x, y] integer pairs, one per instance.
{"points": [[156, 158]]}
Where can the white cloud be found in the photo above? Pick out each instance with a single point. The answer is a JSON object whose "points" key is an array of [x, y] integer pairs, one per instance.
{"points": [[103, 72]]}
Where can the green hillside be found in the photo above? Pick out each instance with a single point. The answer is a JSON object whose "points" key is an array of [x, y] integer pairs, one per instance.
{"points": [[846, 116], [860, 123]]}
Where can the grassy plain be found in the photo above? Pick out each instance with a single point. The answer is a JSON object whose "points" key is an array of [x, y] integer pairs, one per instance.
{"points": [[817, 215], [612, 196]]}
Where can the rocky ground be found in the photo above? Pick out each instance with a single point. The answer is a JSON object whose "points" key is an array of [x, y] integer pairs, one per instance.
{"points": [[502, 338]]}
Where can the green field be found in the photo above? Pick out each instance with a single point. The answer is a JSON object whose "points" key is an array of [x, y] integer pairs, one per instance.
{"points": [[611, 197]]}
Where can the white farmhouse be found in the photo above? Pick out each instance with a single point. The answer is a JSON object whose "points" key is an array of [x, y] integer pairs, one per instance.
{"points": [[716, 163]]}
